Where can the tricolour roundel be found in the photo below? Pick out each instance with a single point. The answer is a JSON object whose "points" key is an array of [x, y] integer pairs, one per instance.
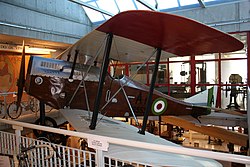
{"points": [[159, 106]]}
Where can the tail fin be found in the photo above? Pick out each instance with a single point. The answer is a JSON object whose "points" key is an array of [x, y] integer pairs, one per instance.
{"points": [[212, 97], [206, 98]]}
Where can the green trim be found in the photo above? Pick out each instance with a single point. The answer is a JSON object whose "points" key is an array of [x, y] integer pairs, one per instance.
{"points": [[210, 98]]}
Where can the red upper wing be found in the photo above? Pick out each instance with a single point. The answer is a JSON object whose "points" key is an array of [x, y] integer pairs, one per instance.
{"points": [[171, 33]]}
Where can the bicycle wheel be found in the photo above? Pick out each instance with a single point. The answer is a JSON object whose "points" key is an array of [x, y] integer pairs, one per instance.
{"points": [[12, 110], [2, 112], [34, 105]]}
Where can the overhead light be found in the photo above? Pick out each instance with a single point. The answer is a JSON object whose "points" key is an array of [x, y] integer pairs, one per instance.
{"points": [[28, 49], [32, 50]]}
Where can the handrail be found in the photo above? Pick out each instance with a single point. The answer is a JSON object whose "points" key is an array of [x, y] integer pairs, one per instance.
{"points": [[7, 93], [171, 149]]}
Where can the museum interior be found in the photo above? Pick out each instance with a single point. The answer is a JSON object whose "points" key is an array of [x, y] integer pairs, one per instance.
{"points": [[78, 88]]}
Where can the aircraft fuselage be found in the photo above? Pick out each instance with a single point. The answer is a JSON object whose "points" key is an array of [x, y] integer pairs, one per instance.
{"points": [[47, 80]]}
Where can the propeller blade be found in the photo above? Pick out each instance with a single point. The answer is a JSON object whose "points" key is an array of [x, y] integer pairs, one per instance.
{"points": [[21, 79]]}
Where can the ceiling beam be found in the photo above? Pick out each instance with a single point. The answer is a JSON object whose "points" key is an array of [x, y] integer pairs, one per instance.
{"points": [[202, 3], [147, 5], [92, 7]]}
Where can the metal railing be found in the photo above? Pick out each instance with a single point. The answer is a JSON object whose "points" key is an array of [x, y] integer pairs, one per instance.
{"points": [[75, 156], [10, 146], [66, 156]]}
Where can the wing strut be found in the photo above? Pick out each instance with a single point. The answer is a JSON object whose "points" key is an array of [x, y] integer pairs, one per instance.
{"points": [[103, 72], [74, 65], [149, 99], [129, 105]]}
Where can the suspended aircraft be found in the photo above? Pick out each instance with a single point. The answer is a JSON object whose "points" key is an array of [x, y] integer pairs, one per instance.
{"points": [[79, 79]]}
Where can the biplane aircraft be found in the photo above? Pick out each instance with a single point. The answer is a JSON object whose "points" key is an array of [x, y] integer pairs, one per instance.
{"points": [[78, 79]]}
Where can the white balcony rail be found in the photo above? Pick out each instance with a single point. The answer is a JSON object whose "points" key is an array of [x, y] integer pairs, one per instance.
{"points": [[10, 146], [8, 141], [37, 157]]}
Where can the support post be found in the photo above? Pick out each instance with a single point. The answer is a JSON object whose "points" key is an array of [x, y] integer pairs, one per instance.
{"points": [[218, 103], [193, 75], [152, 85], [248, 117], [190, 137], [248, 58], [99, 158], [42, 113], [74, 65], [68, 58], [103, 72], [5, 103], [159, 125], [18, 130]]}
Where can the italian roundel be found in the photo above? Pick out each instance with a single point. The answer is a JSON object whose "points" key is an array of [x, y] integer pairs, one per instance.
{"points": [[159, 106]]}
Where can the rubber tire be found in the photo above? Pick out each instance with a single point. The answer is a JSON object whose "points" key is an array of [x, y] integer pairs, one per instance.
{"points": [[43, 133], [9, 110], [53, 137]]}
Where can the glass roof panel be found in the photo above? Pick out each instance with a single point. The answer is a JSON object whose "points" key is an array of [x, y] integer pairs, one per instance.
{"points": [[189, 2], [141, 6], [209, 0], [108, 5], [117, 6], [151, 2], [93, 15], [107, 17], [125, 5], [163, 4]]}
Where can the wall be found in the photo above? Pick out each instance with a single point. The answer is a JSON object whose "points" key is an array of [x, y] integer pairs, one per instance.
{"points": [[53, 20], [9, 72], [229, 17]]}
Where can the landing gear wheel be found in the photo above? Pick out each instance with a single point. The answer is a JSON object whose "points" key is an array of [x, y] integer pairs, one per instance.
{"points": [[53, 137], [48, 122]]}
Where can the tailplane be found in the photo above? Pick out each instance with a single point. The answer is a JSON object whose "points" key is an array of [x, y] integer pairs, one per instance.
{"points": [[205, 98]]}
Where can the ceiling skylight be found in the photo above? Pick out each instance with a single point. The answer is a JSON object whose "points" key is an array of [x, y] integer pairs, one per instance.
{"points": [[108, 8]]}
